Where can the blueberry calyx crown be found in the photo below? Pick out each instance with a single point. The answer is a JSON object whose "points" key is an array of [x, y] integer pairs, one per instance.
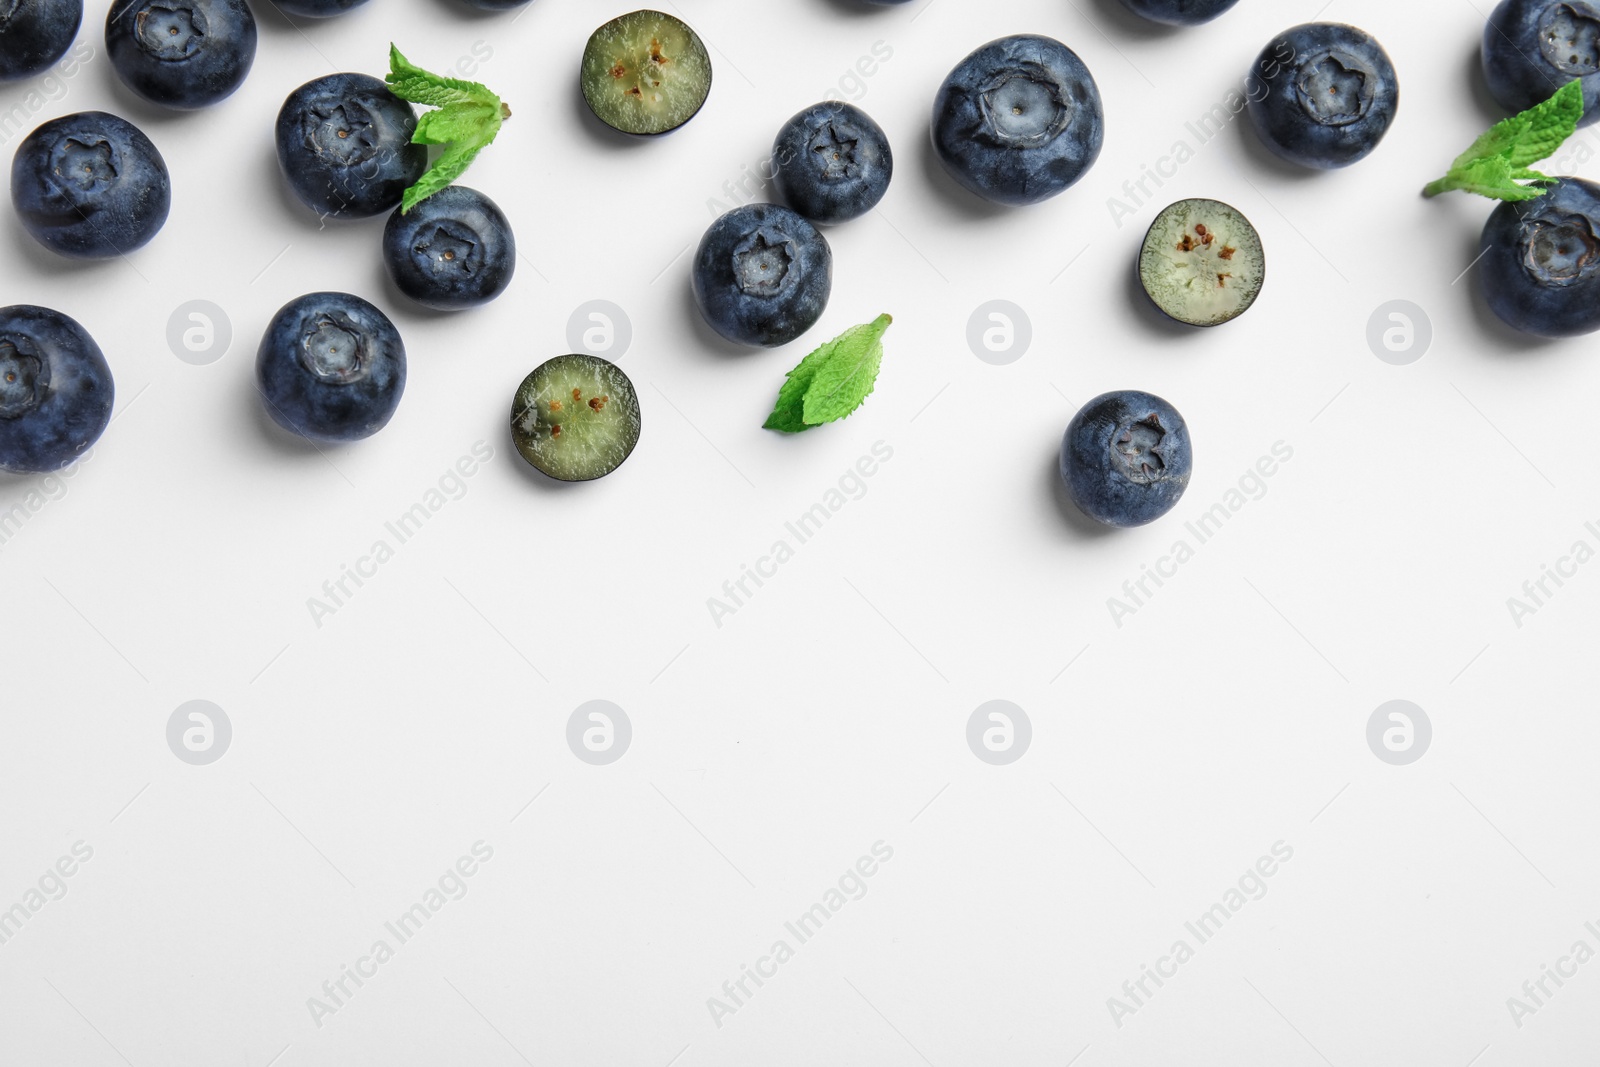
{"points": [[1569, 37], [1136, 450], [762, 262], [24, 377], [335, 349], [169, 31], [447, 250], [83, 161], [1559, 247], [1335, 87], [833, 145], [1024, 106], [340, 131]]}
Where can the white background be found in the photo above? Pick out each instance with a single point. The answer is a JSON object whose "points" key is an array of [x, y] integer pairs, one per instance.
{"points": [[829, 712]]}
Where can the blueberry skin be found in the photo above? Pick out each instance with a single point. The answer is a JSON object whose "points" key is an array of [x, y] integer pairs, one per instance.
{"points": [[831, 162], [453, 250], [344, 144], [331, 368], [1540, 263], [1330, 96], [55, 390], [1126, 458], [90, 186], [35, 33], [1014, 156], [1531, 48], [762, 275], [318, 9], [1179, 12], [182, 54]]}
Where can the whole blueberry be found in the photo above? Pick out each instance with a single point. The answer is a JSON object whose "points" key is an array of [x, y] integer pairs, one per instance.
{"points": [[90, 186], [1327, 94], [55, 390], [1179, 12], [35, 33], [1540, 262], [317, 9], [1126, 458], [1019, 120], [331, 367], [454, 249], [344, 143], [831, 162], [181, 53], [1531, 48], [762, 275]]}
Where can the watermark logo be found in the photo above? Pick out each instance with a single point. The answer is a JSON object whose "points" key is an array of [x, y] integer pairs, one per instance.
{"points": [[599, 732], [999, 732], [1399, 332], [1399, 733], [599, 328], [199, 733], [999, 332], [199, 333]]}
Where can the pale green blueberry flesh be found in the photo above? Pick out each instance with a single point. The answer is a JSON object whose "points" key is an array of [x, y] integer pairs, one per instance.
{"points": [[645, 72], [1202, 262], [575, 418]]}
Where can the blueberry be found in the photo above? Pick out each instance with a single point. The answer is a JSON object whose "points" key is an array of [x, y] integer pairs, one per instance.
{"points": [[831, 162], [1531, 48], [344, 143], [55, 390], [317, 9], [575, 418], [1179, 12], [35, 33], [645, 73], [1330, 95], [90, 186], [331, 367], [1019, 120], [1202, 263], [762, 275], [181, 53], [1126, 458], [454, 249], [1540, 263]]}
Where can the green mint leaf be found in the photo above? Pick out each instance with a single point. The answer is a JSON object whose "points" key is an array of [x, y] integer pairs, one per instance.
{"points": [[1499, 160], [847, 376], [788, 414], [832, 381], [468, 119]]}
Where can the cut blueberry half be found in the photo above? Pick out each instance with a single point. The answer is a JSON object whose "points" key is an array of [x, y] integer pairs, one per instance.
{"points": [[1202, 262], [645, 72], [575, 418]]}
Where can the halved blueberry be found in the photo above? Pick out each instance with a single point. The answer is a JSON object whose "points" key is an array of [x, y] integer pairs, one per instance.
{"points": [[645, 72], [1202, 262], [55, 390], [575, 418]]}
